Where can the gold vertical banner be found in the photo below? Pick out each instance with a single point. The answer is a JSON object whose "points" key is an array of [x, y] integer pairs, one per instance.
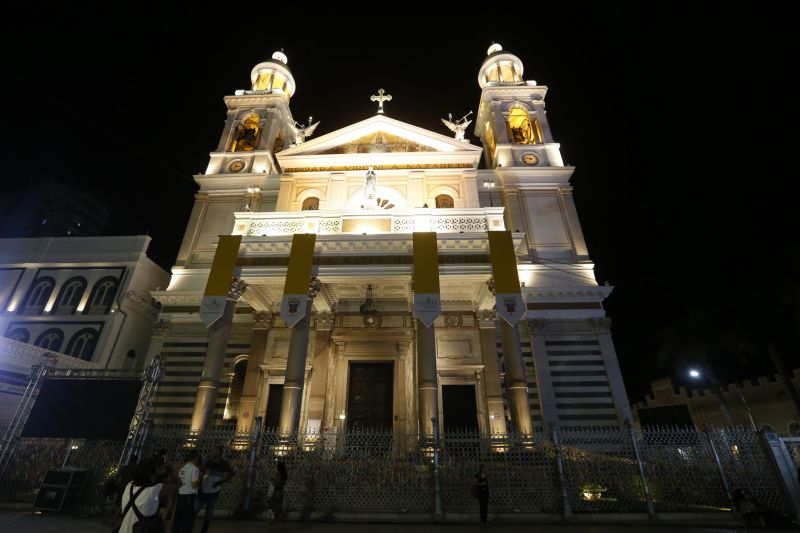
{"points": [[510, 304], [427, 298], [219, 279], [298, 277]]}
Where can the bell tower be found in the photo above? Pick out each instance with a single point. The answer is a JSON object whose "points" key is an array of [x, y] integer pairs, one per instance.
{"points": [[243, 173], [512, 123]]}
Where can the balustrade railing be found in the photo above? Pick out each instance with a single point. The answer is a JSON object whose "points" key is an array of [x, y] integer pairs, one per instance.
{"points": [[369, 221]]}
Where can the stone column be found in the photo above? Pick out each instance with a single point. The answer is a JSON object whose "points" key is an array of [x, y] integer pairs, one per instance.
{"points": [[516, 382], [544, 124], [252, 380], [220, 332], [291, 405], [491, 371], [427, 380]]}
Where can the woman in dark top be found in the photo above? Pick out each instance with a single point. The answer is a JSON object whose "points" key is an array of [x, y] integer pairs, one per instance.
{"points": [[482, 483]]}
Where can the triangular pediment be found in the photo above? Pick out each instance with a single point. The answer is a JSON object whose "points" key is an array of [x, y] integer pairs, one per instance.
{"points": [[377, 138]]}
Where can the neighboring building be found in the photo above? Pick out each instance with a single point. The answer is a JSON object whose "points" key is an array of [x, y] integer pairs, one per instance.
{"points": [[85, 299], [768, 400], [266, 182], [52, 209]]}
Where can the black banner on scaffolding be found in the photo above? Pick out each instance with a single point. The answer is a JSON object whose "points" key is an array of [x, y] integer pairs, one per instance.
{"points": [[83, 409]]}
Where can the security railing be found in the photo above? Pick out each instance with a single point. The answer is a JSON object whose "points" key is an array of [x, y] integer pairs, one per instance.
{"points": [[561, 471]]}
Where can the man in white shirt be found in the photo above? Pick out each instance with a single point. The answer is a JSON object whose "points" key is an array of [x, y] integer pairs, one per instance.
{"points": [[187, 493], [146, 494]]}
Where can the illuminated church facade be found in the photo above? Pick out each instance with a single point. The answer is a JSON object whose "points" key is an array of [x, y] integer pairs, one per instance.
{"points": [[360, 358]]}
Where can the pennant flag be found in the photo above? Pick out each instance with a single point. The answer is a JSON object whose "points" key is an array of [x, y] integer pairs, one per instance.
{"points": [[298, 276], [427, 299], [219, 279], [510, 304]]}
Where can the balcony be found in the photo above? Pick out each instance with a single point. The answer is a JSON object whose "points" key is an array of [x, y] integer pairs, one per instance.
{"points": [[369, 221]]}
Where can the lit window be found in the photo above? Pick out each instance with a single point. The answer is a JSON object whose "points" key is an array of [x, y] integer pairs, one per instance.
{"points": [[38, 296], [70, 296]]}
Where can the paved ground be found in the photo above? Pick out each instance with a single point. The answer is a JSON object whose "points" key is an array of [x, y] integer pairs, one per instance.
{"points": [[25, 522]]}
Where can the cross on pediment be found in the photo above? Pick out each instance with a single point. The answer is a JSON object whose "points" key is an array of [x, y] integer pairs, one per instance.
{"points": [[380, 98]]}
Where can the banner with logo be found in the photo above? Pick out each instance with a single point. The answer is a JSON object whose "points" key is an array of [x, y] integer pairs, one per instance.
{"points": [[427, 299], [298, 276], [219, 279], [510, 304]]}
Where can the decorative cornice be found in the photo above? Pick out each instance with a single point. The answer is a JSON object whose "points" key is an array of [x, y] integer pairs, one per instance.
{"points": [[586, 293]]}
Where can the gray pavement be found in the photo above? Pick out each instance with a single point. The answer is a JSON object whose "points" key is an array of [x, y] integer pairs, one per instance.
{"points": [[26, 522]]}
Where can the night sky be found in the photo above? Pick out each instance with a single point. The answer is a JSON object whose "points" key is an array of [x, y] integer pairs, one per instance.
{"points": [[678, 123]]}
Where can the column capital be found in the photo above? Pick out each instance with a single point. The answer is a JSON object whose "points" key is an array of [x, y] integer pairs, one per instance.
{"points": [[161, 328], [537, 324], [238, 286], [262, 320], [323, 320], [314, 286], [486, 318], [490, 284]]}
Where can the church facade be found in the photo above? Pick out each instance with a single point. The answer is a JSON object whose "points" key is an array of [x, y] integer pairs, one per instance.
{"points": [[360, 358]]}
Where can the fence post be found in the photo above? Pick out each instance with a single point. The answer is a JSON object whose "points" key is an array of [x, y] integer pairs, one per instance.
{"points": [[722, 476], [251, 465], [651, 511], [562, 479], [783, 465], [437, 482]]}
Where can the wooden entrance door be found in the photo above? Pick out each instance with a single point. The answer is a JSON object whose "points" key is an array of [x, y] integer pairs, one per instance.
{"points": [[369, 397]]}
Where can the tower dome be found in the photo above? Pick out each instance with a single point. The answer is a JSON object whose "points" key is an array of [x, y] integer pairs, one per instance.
{"points": [[273, 76], [500, 68]]}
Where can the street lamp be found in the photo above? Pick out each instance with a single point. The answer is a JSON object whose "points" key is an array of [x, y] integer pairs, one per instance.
{"points": [[489, 185], [696, 374]]}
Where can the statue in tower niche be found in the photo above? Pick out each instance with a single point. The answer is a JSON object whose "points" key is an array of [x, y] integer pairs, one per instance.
{"points": [[370, 190], [459, 126]]}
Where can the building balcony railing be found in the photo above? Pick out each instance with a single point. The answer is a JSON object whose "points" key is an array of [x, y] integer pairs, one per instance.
{"points": [[370, 221]]}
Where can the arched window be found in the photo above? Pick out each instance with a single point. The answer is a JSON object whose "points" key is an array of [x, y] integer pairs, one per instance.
{"points": [[246, 134], [70, 296], [19, 334], [82, 344], [311, 203], [38, 296], [523, 129], [51, 339], [102, 296], [444, 201], [235, 389]]}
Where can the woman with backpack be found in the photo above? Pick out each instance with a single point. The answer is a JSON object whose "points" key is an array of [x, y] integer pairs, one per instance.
{"points": [[140, 501]]}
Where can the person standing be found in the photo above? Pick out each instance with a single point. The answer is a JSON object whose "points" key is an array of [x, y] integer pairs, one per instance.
{"points": [[482, 489], [187, 493], [217, 472], [140, 499], [278, 483]]}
